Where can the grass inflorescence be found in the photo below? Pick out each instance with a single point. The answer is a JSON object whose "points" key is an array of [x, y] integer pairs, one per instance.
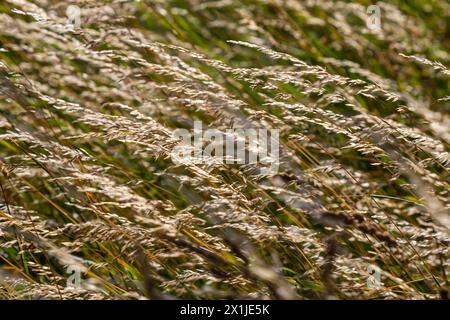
{"points": [[92, 206]]}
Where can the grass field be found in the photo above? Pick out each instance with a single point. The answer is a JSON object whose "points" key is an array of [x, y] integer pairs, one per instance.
{"points": [[93, 205]]}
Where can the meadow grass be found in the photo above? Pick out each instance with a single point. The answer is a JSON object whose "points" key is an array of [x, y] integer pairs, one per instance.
{"points": [[89, 188]]}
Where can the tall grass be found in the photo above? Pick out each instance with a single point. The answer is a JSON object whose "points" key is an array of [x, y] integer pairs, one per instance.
{"points": [[87, 117]]}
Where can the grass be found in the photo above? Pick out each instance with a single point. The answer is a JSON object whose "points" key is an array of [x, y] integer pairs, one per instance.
{"points": [[89, 188]]}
